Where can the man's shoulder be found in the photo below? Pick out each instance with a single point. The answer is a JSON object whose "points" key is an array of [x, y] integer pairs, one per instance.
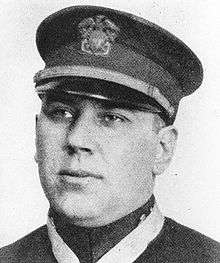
{"points": [[184, 236], [178, 243], [32, 248]]}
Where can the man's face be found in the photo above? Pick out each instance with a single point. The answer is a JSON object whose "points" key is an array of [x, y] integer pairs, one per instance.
{"points": [[95, 158]]}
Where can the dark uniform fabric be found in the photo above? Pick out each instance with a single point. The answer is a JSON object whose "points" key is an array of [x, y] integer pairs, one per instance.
{"points": [[179, 244], [175, 244], [33, 248]]}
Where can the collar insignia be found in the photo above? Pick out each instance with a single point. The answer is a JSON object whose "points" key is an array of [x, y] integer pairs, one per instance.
{"points": [[98, 34]]}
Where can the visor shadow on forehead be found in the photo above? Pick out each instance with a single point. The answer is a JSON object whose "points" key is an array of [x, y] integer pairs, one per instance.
{"points": [[102, 90]]}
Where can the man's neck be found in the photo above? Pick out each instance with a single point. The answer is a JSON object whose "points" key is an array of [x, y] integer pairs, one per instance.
{"points": [[90, 244]]}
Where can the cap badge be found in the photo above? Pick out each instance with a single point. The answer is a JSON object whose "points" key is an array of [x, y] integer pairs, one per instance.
{"points": [[98, 34]]}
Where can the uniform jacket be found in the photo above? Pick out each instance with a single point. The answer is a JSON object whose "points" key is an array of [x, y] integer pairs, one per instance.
{"points": [[175, 243]]}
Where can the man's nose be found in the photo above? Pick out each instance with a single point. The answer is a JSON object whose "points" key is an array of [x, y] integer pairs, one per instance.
{"points": [[80, 135]]}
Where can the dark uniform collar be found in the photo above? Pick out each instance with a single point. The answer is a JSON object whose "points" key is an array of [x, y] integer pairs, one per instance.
{"points": [[90, 244]]}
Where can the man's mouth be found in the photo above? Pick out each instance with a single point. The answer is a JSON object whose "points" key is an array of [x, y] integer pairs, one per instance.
{"points": [[79, 174]]}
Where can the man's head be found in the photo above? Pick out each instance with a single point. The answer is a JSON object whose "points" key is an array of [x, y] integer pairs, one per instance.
{"points": [[97, 158], [110, 92]]}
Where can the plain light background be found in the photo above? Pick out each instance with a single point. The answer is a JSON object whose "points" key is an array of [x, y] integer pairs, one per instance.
{"points": [[189, 191]]}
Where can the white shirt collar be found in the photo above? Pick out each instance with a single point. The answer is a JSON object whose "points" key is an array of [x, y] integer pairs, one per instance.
{"points": [[127, 250]]}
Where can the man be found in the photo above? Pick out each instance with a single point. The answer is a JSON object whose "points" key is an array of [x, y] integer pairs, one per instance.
{"points": [[110, 92]]}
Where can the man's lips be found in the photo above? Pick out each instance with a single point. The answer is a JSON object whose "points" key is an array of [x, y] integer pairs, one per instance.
{"points": [[79, 174]]}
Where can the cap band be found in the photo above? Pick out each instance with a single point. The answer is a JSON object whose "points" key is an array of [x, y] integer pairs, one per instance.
{"points": [[104, 74]]}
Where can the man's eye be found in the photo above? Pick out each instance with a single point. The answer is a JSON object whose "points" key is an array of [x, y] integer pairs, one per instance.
{"points": [[59, 114], [112, 119]]}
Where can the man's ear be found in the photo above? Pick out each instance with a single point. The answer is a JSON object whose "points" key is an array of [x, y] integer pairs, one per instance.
{"points": [[167, 141], [36, 155]]}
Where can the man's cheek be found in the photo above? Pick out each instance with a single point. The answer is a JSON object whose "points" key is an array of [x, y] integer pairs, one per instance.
{"points": [[48, 144]]}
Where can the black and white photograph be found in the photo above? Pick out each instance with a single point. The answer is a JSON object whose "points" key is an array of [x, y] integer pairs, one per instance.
{"points": [[110, 123]]}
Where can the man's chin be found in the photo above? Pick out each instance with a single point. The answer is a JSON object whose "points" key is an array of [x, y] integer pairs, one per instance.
{"points": [[79, 211]]}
